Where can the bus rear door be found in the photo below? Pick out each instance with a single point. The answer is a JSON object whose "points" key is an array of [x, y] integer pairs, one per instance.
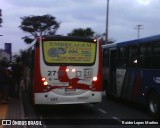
{"points": [[112, 71]]}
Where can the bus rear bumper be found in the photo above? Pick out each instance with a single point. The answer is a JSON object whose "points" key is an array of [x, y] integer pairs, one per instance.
{"points": [[52, 98]]}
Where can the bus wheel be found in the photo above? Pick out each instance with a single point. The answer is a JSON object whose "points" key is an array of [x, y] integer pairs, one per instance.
{"points": [[154, 104]]}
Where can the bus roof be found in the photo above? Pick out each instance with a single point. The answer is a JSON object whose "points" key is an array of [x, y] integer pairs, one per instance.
{"points": [[142, 40], [69, 38], [136, 41], [109, 45]]}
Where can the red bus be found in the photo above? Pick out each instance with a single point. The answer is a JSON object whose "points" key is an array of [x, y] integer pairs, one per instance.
{"points": [[64, 70]]}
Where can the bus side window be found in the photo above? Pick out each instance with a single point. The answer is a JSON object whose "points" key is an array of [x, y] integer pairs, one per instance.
{"points": [[145, 56], [106, 58], [156, 55], [122, 57], [133, 56]]}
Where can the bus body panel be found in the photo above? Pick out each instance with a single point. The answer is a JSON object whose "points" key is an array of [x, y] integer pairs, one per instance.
{"points": [[135, 85], [65, 84], [136, 64], [53, 98]]}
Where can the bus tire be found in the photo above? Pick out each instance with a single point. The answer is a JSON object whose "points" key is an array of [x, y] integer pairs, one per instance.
{"points": [[154, 104]]}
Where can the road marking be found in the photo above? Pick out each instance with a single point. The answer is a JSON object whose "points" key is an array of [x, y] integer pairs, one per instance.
{"points": [[115, 118], [101, 110], [91, 105]]}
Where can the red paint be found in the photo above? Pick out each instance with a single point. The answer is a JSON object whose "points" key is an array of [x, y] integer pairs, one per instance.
{"points": [[97, 85], [62, 75], [38, 84], [137, 87]]}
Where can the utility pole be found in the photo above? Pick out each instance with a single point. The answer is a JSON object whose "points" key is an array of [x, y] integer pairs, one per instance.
{"points": [[107, 19], [0, 17], [139, 27], [0, 12]]}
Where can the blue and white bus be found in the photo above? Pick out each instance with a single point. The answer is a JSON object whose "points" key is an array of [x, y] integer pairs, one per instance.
{"points": [[132, 71]]}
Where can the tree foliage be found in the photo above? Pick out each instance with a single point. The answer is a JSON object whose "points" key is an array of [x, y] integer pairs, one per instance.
{"points": [[38, 26], [88, 32]]}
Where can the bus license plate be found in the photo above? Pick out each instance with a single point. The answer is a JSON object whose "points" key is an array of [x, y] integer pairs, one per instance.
{"points": [[70, 89]]}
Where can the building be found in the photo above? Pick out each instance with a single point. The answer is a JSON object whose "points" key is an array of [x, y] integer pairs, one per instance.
{"points": [[4, 55]]}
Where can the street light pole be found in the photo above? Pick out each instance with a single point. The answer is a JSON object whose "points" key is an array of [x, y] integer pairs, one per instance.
{"points": [[107, 20]]}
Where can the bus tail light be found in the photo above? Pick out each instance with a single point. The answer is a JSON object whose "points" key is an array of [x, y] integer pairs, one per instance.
{"points": [[96, 82], [93, 88], [73, 70], [95, 78], [67, 70], [44, 81]]}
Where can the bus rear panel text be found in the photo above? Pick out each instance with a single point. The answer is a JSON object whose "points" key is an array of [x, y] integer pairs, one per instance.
{"points": [[64, 70]]}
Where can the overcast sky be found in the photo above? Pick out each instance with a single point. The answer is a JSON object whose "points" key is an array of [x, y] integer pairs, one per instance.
{"points": [[124, 15]]}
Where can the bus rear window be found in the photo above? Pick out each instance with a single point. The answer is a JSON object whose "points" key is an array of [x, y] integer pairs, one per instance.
{"points": [[69, 52]]}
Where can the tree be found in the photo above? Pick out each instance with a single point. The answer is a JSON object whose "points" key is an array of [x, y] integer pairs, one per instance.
{"points": [[38, 26], [88, 32], [23, 56]]}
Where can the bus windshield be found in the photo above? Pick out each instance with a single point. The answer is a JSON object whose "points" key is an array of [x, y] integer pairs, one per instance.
{"points": [[69, 52]]}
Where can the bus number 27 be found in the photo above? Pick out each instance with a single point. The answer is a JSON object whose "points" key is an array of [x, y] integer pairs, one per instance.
{"points": [[52, 73]]}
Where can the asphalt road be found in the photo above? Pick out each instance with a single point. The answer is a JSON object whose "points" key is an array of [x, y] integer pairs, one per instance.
{"points": [[108, 113]]}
